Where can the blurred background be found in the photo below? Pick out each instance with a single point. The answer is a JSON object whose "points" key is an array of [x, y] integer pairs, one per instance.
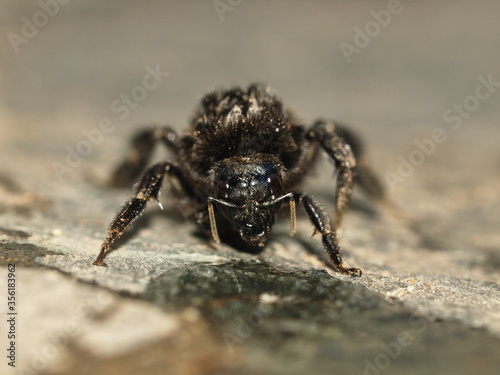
{"points": [[62, 76], [419, 80]]}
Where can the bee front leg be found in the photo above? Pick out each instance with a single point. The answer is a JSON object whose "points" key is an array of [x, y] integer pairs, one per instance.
{"points": [[329, 236], [148, 188]]}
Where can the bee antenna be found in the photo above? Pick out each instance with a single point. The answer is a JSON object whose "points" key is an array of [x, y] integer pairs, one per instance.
{"points": [[293, 218], [213, 224]]}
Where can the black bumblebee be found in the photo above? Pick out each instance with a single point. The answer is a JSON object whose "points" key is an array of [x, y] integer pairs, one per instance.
{"points": [[239, 165]]}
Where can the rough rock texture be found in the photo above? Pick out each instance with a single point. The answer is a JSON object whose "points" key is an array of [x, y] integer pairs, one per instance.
{"points": [[429, 298]]}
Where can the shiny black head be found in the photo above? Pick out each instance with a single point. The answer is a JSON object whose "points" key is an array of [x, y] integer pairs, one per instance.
{"points": [[249, 195]]}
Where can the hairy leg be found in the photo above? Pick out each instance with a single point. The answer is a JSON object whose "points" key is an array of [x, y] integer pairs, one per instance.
{"points": [[322, 224], [341, 153], [346, 150], [142, 147], [148, 188]]}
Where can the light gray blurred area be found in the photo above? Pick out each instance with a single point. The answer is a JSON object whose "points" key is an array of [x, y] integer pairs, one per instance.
{"points": [[419, 81]]}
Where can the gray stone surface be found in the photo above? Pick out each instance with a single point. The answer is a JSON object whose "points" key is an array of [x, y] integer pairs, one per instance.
{"points": [[429, 298]]}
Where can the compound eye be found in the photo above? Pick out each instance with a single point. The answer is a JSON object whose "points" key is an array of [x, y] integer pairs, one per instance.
{"points": [[275, 184], [221, 190]]}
